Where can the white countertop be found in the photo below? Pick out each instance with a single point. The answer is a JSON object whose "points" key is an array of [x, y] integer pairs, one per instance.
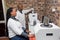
{"points": [[37, 27]]}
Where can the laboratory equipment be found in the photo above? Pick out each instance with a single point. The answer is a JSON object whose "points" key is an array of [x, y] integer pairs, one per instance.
{"points": [[43, 33], [46, 22], [33, 20]]}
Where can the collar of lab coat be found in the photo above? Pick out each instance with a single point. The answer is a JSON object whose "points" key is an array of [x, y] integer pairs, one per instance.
{"points": [[14, 18]]}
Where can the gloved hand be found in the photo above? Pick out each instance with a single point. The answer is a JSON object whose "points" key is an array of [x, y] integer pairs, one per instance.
{"points": [[32, 9], [31, 35], [28, 31]]}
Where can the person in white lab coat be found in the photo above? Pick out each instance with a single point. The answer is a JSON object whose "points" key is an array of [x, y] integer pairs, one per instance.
{"points": [[21, 14], [15, 28]]}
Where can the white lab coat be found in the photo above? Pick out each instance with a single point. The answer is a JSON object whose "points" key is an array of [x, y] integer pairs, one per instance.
{"points": [[14, 28], [21, 16]]}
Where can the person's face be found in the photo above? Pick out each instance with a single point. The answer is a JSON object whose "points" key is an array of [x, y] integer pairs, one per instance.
{"points": [[13, 13], [20, 7]]}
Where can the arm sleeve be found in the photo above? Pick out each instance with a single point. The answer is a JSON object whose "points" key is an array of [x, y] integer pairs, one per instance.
{"points": [[28, 10], [24, 34], [14, 28]]}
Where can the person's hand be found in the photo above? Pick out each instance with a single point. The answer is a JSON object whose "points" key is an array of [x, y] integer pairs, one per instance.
{"points": [[32, 9], [31, 35], [28, 31]]}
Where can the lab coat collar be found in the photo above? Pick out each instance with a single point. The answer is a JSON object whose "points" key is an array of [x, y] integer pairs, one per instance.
{"points": [[21, 11], [13, 17]]}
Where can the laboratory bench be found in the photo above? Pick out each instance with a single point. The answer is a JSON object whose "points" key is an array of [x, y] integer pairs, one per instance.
{"points": [[45, 33]]}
